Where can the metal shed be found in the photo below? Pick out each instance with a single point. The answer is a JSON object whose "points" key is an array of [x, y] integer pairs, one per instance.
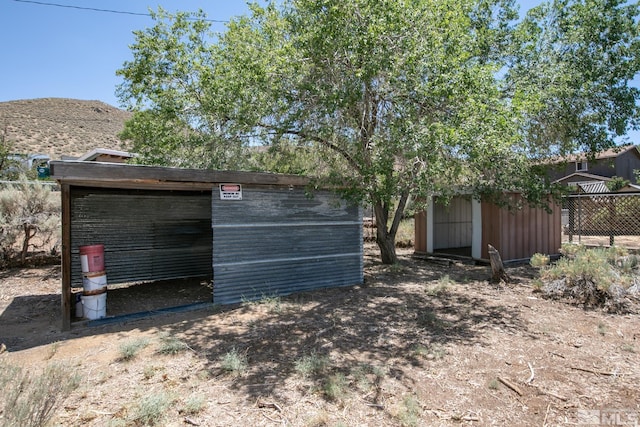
{"points": [[255, 234], [465, 226]]}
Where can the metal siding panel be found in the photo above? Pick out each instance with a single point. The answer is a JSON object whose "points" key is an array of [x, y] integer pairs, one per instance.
{"points": [[453, 224], [276, 241], [148, 235]]}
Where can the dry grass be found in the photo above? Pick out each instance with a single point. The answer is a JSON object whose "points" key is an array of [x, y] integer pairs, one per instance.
{"points": [[418, 344]]}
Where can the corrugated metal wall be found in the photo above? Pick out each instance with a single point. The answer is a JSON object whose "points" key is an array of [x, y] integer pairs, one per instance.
{"points": [[519, 234], [148, 234], [452, 223], [276, 241]]}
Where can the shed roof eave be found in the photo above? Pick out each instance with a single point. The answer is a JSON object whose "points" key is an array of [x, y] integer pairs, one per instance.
{"points": [[90, 173]]}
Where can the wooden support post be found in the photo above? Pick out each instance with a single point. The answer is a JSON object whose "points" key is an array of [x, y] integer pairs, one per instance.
{"points": [[65, 190], [497, 268]]}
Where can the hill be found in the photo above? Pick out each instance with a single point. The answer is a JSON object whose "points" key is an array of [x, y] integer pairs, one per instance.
{"points": [[61, 127]]}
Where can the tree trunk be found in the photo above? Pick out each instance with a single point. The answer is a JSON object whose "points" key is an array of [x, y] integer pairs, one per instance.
{"points": [[497, 268], [387, 245], [385, 238], [29, 231]]}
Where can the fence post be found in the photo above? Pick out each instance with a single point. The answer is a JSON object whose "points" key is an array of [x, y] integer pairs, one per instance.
{"points": [[612, 218], [572, 217]]}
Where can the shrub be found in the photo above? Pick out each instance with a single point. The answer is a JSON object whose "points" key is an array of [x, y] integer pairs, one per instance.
{"points": [[26, 210], [335, 387], [194, 405], [130, 349], [234, 362], [150, 410], [30, 399], [410, 412], [539, 260], [171, 345], [312, 364], [588, 276]]}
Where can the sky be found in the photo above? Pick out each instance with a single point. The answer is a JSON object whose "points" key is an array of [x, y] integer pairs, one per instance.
{"points": [[50, 51]]}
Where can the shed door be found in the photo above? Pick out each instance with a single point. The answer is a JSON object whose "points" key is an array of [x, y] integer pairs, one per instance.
{"points": [[276, 240]]}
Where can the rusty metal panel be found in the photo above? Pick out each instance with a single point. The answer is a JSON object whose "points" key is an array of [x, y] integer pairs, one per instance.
{"points": [[518, 234], [147, 234], [277, 240]]}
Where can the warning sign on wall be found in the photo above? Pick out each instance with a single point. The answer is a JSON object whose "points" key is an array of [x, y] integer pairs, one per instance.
{"points": [[230, 192]]}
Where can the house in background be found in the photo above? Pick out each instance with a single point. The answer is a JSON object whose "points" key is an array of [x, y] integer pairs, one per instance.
{"points": [[106, 155], [619, 161]]}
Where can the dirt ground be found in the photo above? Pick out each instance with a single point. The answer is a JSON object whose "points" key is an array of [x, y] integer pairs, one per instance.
{"points": [[424, 343]]}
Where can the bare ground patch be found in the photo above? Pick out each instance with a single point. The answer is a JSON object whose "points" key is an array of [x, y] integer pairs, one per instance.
{"points": [[418, 344]]}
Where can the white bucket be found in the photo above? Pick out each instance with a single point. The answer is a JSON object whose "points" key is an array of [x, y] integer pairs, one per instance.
{"points": [[96, 281], [79, 311], [94, 306]]}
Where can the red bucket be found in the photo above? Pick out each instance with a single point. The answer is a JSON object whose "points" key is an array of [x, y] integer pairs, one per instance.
{"points": [[92, 258]]}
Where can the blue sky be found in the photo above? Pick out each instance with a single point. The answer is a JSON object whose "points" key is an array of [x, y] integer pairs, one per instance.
{"points": [[64, 52]]}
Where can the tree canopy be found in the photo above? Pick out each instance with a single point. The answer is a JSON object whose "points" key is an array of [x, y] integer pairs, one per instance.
{"points": [[391, 101]]}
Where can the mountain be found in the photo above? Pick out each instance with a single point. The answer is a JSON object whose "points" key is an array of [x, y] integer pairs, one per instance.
{"points": [[61, 127]]}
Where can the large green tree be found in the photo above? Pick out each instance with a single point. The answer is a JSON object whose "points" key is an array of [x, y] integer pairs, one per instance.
{"points": [[391, 101], [396, 99], [571, 74]]}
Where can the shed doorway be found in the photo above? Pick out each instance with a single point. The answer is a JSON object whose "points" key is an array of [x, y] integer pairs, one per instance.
{"points": [[157, 246], [453, 227]]}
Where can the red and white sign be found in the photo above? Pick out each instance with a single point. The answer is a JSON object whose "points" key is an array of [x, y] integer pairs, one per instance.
{"points": [[230, 192]]}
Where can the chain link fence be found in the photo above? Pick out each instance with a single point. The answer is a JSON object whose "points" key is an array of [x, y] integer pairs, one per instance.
{"points": [[592, 218]]}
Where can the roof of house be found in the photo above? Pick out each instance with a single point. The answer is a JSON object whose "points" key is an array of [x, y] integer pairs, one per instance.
{"points": [[581, 177], [606, 154], [94, 154]]}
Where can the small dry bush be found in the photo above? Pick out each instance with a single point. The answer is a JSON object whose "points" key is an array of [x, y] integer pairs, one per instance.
{"points": [[312, 365], [593, 277], [171, 345], [151, 409], [29, 213], [29, 398], [234, 362], [130, 349]]}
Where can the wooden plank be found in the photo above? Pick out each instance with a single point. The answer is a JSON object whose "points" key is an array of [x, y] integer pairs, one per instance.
{"points": [[65, 298], [420, 231], [76, 171]]}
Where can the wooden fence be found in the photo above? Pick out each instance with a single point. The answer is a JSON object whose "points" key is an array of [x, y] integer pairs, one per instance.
{"points": [[601, 214]]}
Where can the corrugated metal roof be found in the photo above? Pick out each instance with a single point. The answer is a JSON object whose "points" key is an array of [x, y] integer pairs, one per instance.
{"points": [[592, 187]]}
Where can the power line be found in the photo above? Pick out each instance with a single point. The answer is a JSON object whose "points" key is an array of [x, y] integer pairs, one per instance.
{"points": [[93, 9]]}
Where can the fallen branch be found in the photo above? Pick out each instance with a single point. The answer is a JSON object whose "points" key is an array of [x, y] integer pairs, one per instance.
{"points": [[544, 423], [550, 393], [273, 405], [533, 374], [592, 371], [190, 421], [511, 385]]}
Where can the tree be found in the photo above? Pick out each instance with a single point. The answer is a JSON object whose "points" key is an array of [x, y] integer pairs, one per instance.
{"points": [[573, 61], [389, 101], [396, 100], [616, 183]]}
